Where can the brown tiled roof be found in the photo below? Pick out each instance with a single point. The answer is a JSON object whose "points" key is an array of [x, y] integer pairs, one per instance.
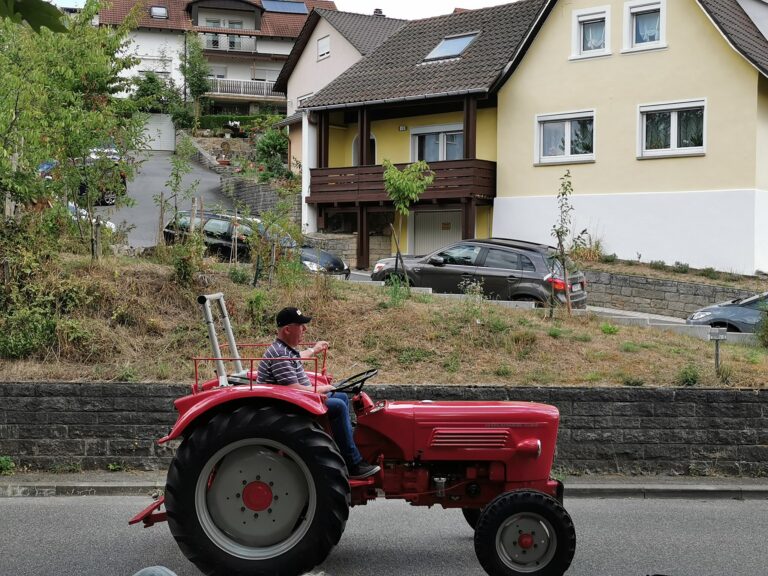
{"points": [[734, 23], [365, 32], [272, 23], [178, 18], [396, 71]]}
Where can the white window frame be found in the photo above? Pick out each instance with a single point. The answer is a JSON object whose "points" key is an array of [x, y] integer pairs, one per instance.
{"points": [[586, 15], [159, 12], [540, 160], [442, 129], [324, 52], [674, 150], [638, 6]]}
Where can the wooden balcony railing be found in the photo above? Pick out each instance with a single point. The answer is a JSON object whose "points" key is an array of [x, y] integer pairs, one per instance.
{"points": [[453, 179], [251, 88]]}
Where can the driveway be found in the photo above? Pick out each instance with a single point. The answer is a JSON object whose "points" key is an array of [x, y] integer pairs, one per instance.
{"points": [[143, 218]]}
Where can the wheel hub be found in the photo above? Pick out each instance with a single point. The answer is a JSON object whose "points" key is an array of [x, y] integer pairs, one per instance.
{"points": [[526, 542], [257, 496]]}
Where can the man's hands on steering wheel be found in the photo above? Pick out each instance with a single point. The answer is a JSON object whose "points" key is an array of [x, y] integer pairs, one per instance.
{"points": [[354, 384]]}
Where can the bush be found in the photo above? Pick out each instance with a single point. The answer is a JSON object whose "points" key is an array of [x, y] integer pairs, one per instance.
{"points": [[632, 381], [239, 274], [658, 264], [187, 258], [710, 273], [688, 376], [24, 332], [681, 268], [609, 329], [7, 466], [608, 258], [762, 330]]}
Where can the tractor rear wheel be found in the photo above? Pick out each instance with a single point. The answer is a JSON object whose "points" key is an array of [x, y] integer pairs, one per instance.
{"points": [[525, 532], [257, 491]]}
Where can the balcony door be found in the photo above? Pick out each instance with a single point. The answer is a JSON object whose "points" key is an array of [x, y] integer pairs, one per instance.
{"points": [[356, 151], [436, 143]]}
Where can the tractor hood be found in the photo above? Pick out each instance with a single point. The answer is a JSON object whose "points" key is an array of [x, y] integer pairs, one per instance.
{"points": [[465, 431]]}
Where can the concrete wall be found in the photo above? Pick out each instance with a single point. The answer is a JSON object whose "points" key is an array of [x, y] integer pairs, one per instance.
{"points": [[603, 430], [654, 296]]}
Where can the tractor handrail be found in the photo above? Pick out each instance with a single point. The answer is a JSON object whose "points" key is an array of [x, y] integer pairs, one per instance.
{"points": [[205, 301], [251, 375]]}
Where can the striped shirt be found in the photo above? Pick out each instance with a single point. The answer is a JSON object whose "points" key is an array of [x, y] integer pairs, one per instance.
{"points": [[282, 365]]}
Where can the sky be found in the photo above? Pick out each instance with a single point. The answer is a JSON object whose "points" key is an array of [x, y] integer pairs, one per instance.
{"points": [[406, 9]]}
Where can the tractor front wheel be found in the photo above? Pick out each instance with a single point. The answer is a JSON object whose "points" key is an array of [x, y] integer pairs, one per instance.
{"points": [[257, 491], [525, 532]]}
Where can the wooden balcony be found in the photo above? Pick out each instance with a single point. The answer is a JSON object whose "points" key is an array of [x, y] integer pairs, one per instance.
{"points": [[454, 179], [244, 88]]}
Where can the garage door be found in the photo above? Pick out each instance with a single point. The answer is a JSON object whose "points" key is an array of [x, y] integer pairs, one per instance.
{"points": [[160, 133], [432, 230]]}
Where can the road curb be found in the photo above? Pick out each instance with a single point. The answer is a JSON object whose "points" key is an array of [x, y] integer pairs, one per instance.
{"points": [[576, 490]]}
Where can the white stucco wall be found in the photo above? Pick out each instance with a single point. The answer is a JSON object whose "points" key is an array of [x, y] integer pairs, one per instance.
{"points": [[761, 230], [310, 74], [720, 228], [156, 48], [274, 46]]}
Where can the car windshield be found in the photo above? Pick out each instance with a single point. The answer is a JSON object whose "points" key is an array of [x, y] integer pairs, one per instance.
{"points": [[757, 301]]}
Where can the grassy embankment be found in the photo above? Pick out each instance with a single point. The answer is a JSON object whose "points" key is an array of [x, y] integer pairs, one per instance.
{"points": [[133, 322]]}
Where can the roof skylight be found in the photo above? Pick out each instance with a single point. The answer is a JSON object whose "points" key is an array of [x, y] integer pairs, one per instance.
{"points": [[158, 12], [284, 6], [451, 46]]}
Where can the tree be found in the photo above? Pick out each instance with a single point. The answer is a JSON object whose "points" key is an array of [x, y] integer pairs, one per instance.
{"points": [[195, 69], [404, 188], [36, 13], [561, 230], [58, 102]]}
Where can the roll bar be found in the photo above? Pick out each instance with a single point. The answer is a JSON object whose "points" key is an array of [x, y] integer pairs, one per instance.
{"points": [[218, 298]]}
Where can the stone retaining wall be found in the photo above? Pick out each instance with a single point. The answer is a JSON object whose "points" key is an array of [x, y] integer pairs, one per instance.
{"points": [[603, 430], [654, 296], [257, 197]]}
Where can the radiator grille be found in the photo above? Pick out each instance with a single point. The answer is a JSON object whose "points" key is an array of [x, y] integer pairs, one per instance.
{"points": [[482, 438]]}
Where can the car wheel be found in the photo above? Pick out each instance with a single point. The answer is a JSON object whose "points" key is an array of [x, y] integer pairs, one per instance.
{"points": [[728, 327], [109, 198]]}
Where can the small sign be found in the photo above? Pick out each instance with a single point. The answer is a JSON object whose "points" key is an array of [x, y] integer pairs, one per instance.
{"points": [[718, 334], [445, 226]]}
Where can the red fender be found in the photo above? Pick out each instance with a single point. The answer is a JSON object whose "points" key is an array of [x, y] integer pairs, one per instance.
{"points": [[194, 405]]}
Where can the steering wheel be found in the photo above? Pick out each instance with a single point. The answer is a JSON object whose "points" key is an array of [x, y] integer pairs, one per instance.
{"points": [[355, 383]]}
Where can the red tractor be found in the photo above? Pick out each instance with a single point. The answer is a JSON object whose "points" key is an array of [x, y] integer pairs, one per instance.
{"points": [[258, 487]]}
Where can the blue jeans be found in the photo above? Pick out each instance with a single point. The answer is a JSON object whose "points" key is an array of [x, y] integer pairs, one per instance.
{"points": [[338, 414]]}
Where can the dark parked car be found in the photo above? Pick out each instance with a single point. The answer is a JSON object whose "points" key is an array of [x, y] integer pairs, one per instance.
{"points": [[739, 315], [101, 166], [507, 270], [220, 231]]}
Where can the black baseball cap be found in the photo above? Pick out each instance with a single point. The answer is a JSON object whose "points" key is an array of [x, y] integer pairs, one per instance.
{"points": [[291, 315]]}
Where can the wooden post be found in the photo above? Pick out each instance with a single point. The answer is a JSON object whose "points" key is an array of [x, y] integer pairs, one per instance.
{"points": [[470, 127]]}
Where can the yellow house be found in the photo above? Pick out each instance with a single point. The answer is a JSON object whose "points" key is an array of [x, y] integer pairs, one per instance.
{"points": [[429, 92], [659, 110]]}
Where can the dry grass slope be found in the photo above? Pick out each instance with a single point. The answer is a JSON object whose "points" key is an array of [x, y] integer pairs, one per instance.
{"points": [[139, 325]]}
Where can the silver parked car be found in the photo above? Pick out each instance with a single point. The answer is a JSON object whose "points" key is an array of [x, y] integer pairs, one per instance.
{"points": [[739, 315]]}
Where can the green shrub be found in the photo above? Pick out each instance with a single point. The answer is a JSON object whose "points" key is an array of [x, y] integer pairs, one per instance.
{"points": [[26, 331], [629, 347], [187, 259], [688, 376], [609, 329], [608, 258], [239, 274], [497, 325], [258, 307], [657, 265], [710, 273], [632, 381], [762, 330], [397, 291], [503, 371], [555, 332], [681, 268], [724, 373], [413, 355], [7, 466]]}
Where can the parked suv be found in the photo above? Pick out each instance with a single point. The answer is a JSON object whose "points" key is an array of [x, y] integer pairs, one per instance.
{"points": [[506, 269], [221, 229]]}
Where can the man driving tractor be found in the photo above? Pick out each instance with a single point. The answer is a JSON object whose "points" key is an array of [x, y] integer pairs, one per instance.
{"points": [[282, 365]]}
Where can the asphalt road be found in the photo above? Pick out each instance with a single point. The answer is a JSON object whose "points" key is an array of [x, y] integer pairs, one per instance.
{"points": [[143, 217], [89, 536]]}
